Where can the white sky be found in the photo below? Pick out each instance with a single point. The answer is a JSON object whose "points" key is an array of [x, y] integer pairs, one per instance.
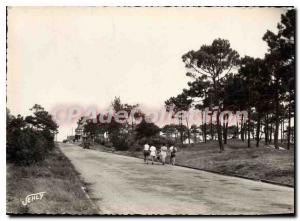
{"points": [[88, 55]]}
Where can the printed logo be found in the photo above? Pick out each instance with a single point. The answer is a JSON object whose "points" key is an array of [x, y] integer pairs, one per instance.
{"points": [[33, 197]]}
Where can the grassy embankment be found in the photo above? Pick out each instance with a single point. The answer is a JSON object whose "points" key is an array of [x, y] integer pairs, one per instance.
{"points": [[260, 163], [57, 177]]}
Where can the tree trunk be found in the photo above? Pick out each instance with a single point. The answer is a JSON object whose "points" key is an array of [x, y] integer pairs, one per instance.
{"points": [[205, 119], [225, 129], [237, 131], [258, 129], [261, 130], [189, 133], [266, 130], [204, 132], [211, 120], [249, 121], [282, 130], [242, 128], [293, 136], [276, 116], [181, 131], [211, 129], [271, 133], [289, 126], [249, 115], [219, 131]]}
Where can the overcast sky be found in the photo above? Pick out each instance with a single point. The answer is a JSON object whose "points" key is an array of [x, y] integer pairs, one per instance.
{"points": [[88, 55]]}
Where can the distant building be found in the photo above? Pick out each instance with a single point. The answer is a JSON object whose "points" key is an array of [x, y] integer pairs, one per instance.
{"points": [[79, 132]]}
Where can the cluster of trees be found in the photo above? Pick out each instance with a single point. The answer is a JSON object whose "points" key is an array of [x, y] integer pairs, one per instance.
{"points": [[128, 131], [222, 80], [29, 139]]}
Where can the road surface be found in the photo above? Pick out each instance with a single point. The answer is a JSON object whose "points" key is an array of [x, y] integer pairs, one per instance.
{"points": [[125, 185]]}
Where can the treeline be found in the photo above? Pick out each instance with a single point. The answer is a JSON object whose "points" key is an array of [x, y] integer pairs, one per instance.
{"points": [[222, 81], [121, 132], [29, 139], [265, 88]]}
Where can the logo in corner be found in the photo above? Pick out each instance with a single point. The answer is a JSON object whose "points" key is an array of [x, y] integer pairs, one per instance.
{"points": [[33, 197]]}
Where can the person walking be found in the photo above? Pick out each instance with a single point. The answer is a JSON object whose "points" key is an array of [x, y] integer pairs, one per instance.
{"points": [[152, 153], [158, 156], [163, 154], [173, 151], [146, 153]]}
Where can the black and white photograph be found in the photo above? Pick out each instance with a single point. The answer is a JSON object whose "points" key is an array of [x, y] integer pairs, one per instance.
{"points": [[151, 111]]}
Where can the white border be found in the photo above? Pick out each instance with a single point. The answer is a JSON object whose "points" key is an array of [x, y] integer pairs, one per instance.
{"points": [[150, 3], [3, 5]]}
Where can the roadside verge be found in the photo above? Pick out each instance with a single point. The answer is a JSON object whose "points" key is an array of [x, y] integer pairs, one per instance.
{"points": [[64, 191]]}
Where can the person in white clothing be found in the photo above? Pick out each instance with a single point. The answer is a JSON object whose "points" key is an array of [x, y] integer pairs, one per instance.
{"points": [[152, 153], [146, 152], [163, 154]]}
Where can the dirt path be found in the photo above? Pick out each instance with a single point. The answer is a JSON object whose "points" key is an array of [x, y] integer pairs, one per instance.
{"points": [[125, 185]]}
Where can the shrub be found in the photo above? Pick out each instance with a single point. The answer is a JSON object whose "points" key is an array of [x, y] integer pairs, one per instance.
{"points": [[99, 141], [108, 144], [25, 147], [136, 147], [145, 129], [119, 142], [159, 141], [30, 139]]}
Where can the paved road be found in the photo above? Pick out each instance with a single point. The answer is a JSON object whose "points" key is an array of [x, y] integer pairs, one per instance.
{"points": [[125, 185]]}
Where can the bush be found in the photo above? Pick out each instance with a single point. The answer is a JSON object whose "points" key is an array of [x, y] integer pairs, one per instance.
{"points": [[145, 129], [108, 144], [119, 142], [30, 139], [100, 141], [48, 138], [25, 147], [136, 147], [128, 142], [156, 141]]}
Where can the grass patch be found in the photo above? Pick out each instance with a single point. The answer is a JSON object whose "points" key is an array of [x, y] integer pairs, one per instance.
{"points": [[57, 177], [260, 163]]}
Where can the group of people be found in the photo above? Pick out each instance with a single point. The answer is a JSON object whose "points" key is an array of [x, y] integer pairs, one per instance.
{"points": [[160, 154]]}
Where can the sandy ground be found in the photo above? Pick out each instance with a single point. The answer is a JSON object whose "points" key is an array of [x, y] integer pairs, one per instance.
{"points": [[125, 185]]}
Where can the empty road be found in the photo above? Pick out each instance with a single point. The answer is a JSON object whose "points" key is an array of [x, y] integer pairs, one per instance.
{"points": [[125, 185]]}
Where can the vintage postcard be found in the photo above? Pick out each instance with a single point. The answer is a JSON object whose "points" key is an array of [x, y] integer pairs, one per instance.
{"points": [[150, 110]]}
